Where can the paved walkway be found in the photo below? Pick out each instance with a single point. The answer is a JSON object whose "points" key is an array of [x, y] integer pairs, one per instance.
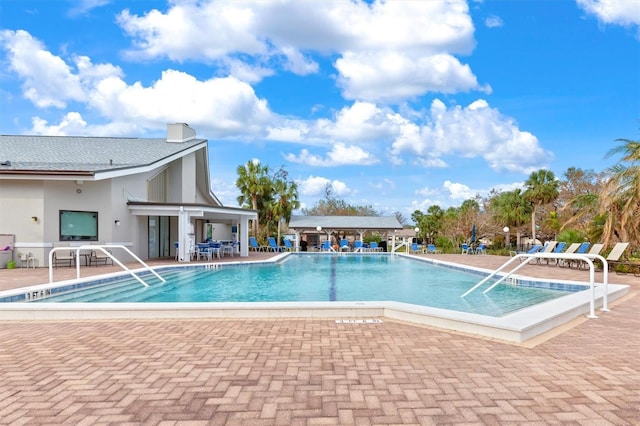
{"points": [[317, 372]]}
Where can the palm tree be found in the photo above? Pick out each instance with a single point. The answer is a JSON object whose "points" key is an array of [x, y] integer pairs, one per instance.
{"points": [[285, 200], [253, 182], [542, 188], [620, 199], [510, 209]]}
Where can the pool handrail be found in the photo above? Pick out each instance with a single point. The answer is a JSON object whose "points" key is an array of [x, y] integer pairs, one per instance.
{"points": [[103, 249], [588, 258]]}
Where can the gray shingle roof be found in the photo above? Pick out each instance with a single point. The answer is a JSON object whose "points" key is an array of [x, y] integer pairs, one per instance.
{"points": [[345, 222], [84, 154]]}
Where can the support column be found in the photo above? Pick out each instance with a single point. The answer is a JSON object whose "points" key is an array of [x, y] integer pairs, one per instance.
{"points": [[243, 237], [183, 236]]}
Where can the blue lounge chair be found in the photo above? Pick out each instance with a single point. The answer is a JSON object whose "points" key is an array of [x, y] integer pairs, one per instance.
{"points": [[359, 247], [344, 245], [373, 246], [535, 249], [481, 249], [253, 244], [326, 246], [432, 249], [273, 246], [415, 249], [287, 245], [466, 249]]}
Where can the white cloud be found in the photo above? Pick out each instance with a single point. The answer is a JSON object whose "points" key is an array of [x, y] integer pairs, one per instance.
{"points": [[316, 186], [221, 106], [386, 50], [339, 155], [391, 76], [493, 21], [477, 130], [619, 12], [459, 191]]}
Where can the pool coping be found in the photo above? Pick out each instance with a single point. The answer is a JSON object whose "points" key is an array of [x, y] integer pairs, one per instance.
{"points": [[518, 326]]}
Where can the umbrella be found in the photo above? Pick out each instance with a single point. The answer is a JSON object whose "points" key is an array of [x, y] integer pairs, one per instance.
{"points": [[473, 233]]}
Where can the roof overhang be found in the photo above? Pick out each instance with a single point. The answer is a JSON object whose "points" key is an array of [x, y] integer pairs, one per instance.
{"points": [[219, 214], [335, 223]]}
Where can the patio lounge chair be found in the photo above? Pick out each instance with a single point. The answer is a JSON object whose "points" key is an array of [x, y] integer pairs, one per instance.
{"points": [[415, 249], [326, 246], [481, 249], [287, 245], [359, 247], [571, 249], [578, 248], [253, 245], [344, 245], [548, 247], [535, 249], [558, 249], [373, 246], [432, 249], [273, 245], [595, 249], [613, 258]]}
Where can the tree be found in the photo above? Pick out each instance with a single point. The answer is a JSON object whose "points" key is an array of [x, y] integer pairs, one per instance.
{"points": [[620, 199], [510, 209], [579, 198], [331, 205], [542, 188], [253, 182], [273, 196], [285, 198]]}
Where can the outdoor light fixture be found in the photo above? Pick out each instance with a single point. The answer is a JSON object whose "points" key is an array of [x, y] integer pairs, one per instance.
{"points": [[318, 228], [117, 222], [417, 229], [507, 243]]}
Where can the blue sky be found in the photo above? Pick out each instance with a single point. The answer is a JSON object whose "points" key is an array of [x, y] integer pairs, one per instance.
{"points": [[399, 105]]}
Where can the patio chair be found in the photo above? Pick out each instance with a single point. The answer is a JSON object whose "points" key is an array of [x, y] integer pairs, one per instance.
{"points": [[613, 258], [415, 249], [344, 245], [253, 245], [358, 246], [465, 249], [373, 246], [595, 249], [326, 246], [432, 249], [273, 245], [287, 245], [98, 256], [583, 249], [548, 247], [558, 249], [63, 254], [573, 248], [481, 249], [534, 249]]}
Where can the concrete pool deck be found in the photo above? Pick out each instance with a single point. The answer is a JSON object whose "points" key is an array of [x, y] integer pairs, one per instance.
{"points": [[315, 371]]}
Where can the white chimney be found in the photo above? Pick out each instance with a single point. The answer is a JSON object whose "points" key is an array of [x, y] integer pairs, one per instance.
{"points": [[180, 132]]}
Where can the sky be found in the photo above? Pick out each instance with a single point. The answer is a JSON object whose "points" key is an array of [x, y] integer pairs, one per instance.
{"points": [[398, 105]]}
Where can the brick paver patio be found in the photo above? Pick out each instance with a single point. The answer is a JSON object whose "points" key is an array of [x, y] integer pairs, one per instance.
{"points": [[317, 372]]}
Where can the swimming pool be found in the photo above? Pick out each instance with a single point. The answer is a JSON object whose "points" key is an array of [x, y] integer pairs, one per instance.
{"points": [[329, 278], [329, 293]]}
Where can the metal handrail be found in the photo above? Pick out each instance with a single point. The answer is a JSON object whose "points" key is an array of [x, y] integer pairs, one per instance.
{"points": [[588, 258], [103, 248]]}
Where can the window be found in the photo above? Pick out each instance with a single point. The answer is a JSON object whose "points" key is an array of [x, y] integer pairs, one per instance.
{"points": [[78, 226]]}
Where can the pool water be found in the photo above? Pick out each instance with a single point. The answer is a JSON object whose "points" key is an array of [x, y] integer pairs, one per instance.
{"points": [[321, 278]]}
